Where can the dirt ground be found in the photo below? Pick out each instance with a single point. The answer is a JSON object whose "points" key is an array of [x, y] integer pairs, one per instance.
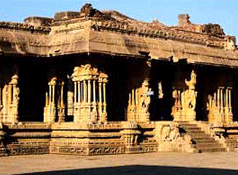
{"points": [[149, 163]]}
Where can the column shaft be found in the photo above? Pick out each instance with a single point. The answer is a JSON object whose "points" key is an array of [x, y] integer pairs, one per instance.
{"points": [[84, 90], [215, 99], [9, 94], [221, 93], [133, 97], [89, 91], [79, 92], [179, 98], [50, 94], [53, 95], [94, 92], [129, 103], [75, 92], [0, 97], [5, 102], [227, 98], [104, 96], [62, 95]]}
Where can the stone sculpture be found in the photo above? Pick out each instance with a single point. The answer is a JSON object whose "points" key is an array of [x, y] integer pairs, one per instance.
{"points": [[189, 98]]}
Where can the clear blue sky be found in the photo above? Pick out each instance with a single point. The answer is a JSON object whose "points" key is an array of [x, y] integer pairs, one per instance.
{"points": [[223, 12]]}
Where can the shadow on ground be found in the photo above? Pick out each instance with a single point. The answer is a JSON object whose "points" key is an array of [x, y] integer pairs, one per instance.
{"points": [[142, 170]]}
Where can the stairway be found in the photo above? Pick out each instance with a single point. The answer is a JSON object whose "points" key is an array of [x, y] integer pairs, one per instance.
{"points": [[2, 150], [202, 141]]}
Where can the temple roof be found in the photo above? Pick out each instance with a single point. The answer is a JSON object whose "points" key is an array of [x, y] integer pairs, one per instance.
{"points": [[110, 32]]}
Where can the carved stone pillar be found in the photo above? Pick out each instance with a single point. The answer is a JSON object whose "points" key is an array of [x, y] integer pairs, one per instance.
{"points": [[103, 79], [54, 101], [70, 103], [77, 102], [222, 105], [1, 105], [177, 109], [100, 98], [15, 99], [185, 110], [95, 113], [138, 103], [9, 101], [61, 106], [228, 116], [4, 102], [131, 109], [92, 107], [50, 104], [220, 111]]}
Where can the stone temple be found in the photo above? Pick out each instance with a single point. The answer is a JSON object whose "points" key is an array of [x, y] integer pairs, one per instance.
{"points": [[98, 82]]}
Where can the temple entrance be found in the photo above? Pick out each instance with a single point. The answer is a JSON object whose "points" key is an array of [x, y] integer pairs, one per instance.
{"points": [[162, 78], [32, 84], [174, 91], [117, 92]]}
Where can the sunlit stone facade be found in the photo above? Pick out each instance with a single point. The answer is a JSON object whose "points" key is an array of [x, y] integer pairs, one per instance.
{"points": [[98, 82]]}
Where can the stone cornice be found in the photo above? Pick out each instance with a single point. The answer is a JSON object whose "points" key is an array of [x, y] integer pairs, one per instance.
{"points": [[163, 32], [112, 33], [25, 27]]}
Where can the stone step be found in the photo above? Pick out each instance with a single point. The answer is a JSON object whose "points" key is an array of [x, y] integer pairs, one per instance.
{"points": [[199, 135], [202, 141], [2, 151], [189, 126], [207, 145], [195, 132], [212, 150], [192, 129]]}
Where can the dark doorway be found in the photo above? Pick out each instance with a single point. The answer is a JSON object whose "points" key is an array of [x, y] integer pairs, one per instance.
{"points": [[160, 107], [32, 84], [117, 90]]}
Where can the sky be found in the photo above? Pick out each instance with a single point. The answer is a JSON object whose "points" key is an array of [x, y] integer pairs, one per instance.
{"points": [[223, 12]]}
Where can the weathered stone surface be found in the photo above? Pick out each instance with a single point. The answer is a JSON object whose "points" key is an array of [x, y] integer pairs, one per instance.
{"points": [[91, 30], [98, 82]]}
